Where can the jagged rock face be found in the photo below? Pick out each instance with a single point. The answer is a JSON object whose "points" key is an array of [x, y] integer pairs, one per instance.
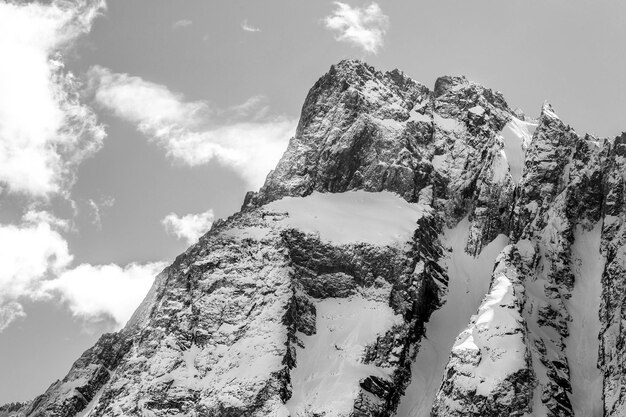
{"points": [[613, 305], [314, 299], [12, 409], [558, 193], [356, 131], [551, 209]]}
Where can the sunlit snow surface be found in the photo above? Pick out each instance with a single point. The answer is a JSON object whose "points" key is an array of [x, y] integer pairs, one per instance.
{"points": [[477, 110], [329, 367], [446, 124], [381, 218], [469, 281], [517, 135]]}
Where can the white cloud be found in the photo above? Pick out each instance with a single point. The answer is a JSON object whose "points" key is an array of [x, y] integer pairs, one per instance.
{"points": [[190, 226], [29, 253], [45, 131], [183, 23], [248, 28], [36, 265], [97, 291], [360, 27], [189, 131]]}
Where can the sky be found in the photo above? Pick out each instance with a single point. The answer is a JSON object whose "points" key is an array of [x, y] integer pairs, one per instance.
{"points": [[128, 126]]}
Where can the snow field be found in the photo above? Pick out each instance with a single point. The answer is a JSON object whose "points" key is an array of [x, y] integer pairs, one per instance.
{"points": [[329, 366], [381, 218]]}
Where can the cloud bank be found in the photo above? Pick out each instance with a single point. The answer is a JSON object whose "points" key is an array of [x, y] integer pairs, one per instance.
{"points": [[36, 266], [360, 27], [45, 131], [190, 226], [193, 132]]}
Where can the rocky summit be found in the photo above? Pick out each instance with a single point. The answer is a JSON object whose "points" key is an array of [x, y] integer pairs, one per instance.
{"points": [[416, 252]]}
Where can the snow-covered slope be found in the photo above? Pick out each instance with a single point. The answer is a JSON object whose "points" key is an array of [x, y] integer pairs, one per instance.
{"points": [[415, 252], [354, 216], [330, 362]]}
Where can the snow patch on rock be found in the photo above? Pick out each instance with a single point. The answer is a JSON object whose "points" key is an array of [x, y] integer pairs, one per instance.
{"points": [[500, 167], [477, 110], [416, 116], [517, 135], [447, 124], [382, 218]]}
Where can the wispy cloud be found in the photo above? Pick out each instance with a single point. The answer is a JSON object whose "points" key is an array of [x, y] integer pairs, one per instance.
{"points": [[96, 209], [195, 132], [45, 131], [249, 28], [183, 23], [190, 226], [254, 108], [360, 27]]}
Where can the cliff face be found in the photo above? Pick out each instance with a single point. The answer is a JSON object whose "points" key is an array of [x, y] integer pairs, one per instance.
{"points": [[414, 252], [612, 307]]}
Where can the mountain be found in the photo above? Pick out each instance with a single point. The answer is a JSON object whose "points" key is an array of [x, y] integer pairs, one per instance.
{"points": [[415, 252]]}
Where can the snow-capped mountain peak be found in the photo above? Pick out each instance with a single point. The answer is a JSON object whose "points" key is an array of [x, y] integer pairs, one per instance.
{"points": [[415, 252]]}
